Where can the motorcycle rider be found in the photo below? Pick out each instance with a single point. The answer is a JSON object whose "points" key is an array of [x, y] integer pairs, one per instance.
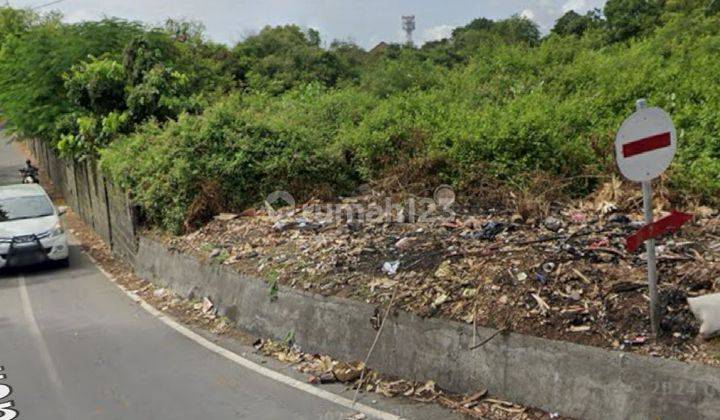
{"points": [[30, 171]]}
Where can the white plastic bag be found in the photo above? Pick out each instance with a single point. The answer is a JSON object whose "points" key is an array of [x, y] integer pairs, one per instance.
{"points": [[707, 310]]}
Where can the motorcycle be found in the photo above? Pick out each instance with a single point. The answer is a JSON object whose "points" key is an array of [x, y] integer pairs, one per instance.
{"points": [[29, 176]]}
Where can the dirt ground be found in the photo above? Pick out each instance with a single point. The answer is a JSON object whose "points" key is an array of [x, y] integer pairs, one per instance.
{"points": [[565, 275]]}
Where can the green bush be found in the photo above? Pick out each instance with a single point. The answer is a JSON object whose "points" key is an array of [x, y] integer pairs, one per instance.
{"points": [[33, 96], [237, 152], [192, 128]]}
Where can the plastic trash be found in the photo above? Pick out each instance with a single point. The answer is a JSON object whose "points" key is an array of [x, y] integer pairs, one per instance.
{"points": [[489, 230], [391, 267], [707, 310]]}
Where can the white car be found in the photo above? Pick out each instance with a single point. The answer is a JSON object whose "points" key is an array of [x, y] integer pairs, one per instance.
{"points": [[30, 228]]}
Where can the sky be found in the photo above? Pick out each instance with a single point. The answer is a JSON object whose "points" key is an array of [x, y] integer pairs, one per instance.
{"points": [[365, 22]]}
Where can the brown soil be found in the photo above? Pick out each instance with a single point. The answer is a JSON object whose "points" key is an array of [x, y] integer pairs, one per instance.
{"points": [[566, 278]]}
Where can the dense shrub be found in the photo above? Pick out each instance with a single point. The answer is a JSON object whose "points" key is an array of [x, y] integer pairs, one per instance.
{"points": [[241, 148], [191, 128], [277, 59]]}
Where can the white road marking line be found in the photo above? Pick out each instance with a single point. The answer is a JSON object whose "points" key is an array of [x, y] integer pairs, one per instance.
{"points": [[41, 344], [236, 358]]}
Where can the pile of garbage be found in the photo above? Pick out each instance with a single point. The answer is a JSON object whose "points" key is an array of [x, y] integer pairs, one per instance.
{"points": [[565, 275]]}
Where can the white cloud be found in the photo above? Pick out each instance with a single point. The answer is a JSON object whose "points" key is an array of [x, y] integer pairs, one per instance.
{"points": [[436, 33], [576, 5], [546, 12], [528, 14]]}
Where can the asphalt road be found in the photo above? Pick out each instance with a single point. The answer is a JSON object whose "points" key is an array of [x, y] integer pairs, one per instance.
{"points": [[74, 346]]}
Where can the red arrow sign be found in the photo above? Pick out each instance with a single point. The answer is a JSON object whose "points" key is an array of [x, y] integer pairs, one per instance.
{"points": [[658, 228]]}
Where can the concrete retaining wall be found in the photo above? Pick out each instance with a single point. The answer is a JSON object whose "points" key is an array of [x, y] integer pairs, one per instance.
{"points": [[101, 205], [574, 380]]}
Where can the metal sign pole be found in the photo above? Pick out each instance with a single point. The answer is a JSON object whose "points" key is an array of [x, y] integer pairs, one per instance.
{"points": [[651, 260], [650, 249]]}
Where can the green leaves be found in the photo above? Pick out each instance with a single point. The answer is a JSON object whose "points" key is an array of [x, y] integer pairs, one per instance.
{"points": [[190, 127], [97, 85], [36, 64], [629, 18], [245, 146]]}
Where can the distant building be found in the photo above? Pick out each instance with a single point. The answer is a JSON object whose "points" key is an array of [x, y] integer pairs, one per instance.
{"points": [[380, 48]]}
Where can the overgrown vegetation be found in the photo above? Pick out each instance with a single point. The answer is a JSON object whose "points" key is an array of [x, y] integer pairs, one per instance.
{"points": [[192, 128]]}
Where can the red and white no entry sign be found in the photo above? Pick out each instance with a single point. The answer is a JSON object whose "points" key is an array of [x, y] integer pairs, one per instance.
{"points": [[644, 147], [645, 144]]}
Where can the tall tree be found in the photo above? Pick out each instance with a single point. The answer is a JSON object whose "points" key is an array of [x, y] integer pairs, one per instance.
{"points": [[628, 18], [279, 58], [573, 23]]}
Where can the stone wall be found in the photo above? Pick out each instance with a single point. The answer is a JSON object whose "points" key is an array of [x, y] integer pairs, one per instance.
{"points": [[101, 204]]}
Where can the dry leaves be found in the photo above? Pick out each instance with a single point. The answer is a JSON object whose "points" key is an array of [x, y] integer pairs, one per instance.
{"points": [[564, 277], [323, 369]]}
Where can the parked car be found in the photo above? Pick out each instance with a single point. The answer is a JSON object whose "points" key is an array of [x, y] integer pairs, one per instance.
{"points": [[30, 227]]}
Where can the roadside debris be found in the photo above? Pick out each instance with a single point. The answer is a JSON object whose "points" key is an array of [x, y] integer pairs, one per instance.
{"points": [[565, 276], [214, 253], [552, 224], [348, 372], [322, 369], [208, 306], [489, 230], [390, 267], [707, 310], [224, 217]]}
